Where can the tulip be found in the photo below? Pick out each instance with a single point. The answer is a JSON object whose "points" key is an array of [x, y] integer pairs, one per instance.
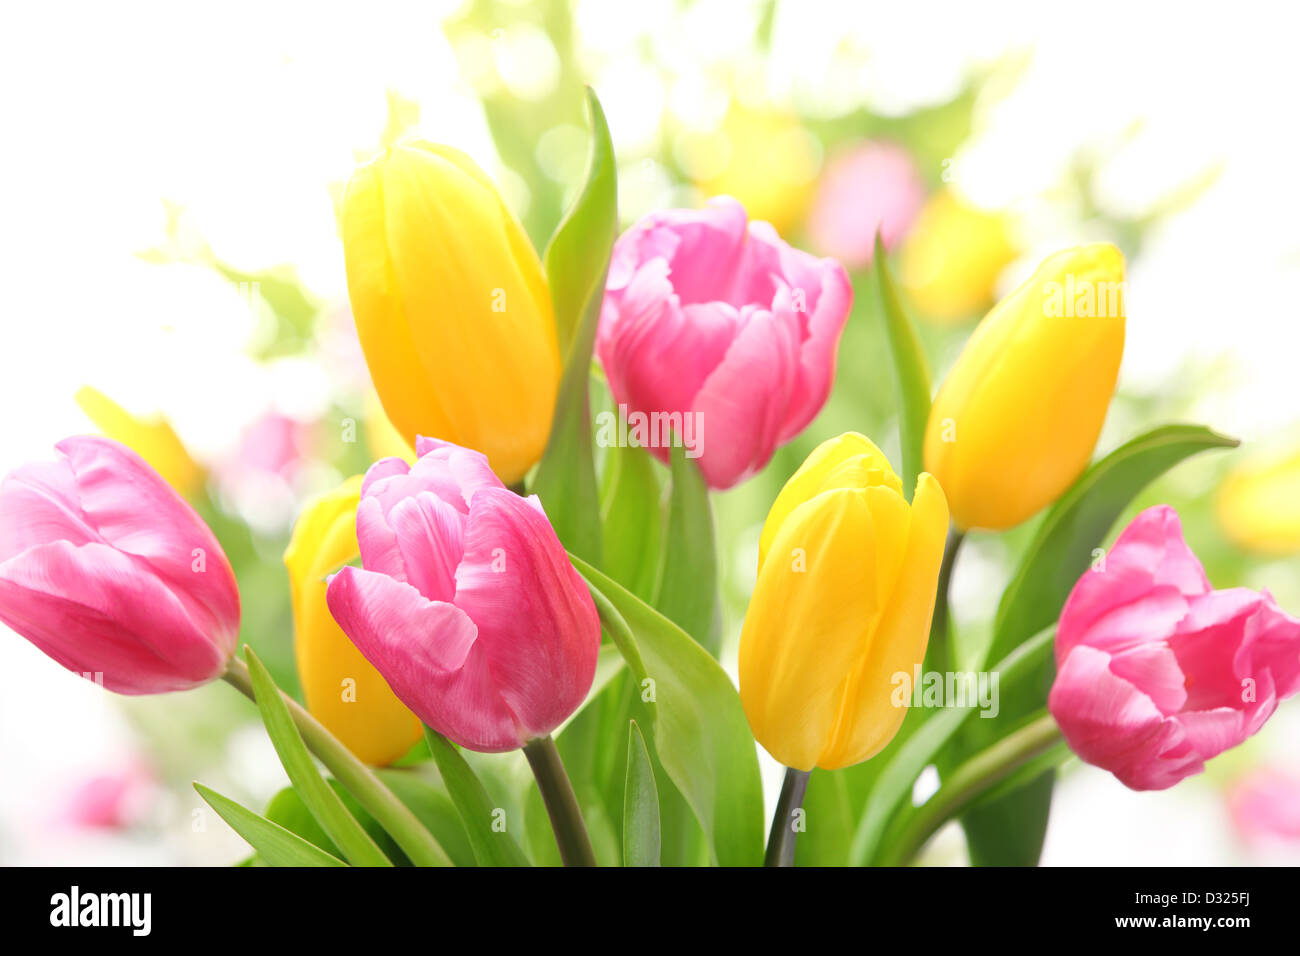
{"points": [[451, 305], [763, 156], [869, 188], [847, 575], [1258, 505], [1156, 671], [953, 257], [153, 439], [342, 689], [1015, 421], [712, 323], [466, 602], [106, 569]]}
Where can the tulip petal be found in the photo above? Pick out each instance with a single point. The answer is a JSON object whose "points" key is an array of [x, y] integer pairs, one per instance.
{"points": [[536, 622], [870, 713], [135, 511], [429, 654], [94, 609], [38, 505], [814, 606]]}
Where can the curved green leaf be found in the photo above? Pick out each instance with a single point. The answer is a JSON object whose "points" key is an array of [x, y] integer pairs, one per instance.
{"points": [[1009, 831], [895, 782], [433, 808], [477, 811], [633, 520], [912, 370], [697, 725], [640, 804], [273, 843], [576, 262], [688, 587], [325, 805]]}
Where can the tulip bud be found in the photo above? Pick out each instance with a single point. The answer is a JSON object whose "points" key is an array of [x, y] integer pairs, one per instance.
{"points": [[466, 602], [154, 440], [1015, 421], [451, 305], [1156, 671], [847, 576], [342, 689], [718, 336], [105, 568]]}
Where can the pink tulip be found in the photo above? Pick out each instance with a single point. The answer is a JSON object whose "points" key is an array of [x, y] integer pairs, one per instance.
{"points": [[1265, 806], [871, 186], [1157, 672], [107, 570], [467, 604], [712, 318]]}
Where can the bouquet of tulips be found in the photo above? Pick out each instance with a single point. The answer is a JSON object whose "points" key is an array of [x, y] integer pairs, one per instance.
{"points": [[527, 579]]}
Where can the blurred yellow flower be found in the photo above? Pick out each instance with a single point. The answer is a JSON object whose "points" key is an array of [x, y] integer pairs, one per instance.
{"points": [[152, 439], [764, 158], [1258, 506], [951, 259], [451, 305], [342, 689], [847, 574], [1016, 419]]}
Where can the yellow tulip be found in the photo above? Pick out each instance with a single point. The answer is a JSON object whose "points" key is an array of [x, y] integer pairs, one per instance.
{"points": [[1015, 421], [1258, 506], [762, 157], [952, 258], [152, 439], [847, 574], [451, 305], [342, 689]]}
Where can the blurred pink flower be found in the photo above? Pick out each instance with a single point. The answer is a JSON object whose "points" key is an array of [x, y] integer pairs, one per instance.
{"points": [[1265, 806], [110, 800], [713, 321], [873, 185], [1156, 671], [274, 443]]}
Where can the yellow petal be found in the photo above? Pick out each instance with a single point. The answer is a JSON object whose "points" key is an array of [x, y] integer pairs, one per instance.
{"points": [[813, 606], [451, 305], [870, 712], [151, 439], [342, 689], [1017, 417], [849, 460]]}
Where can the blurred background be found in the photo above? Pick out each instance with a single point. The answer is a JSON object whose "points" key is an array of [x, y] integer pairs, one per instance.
{"points": [[174, 278]]}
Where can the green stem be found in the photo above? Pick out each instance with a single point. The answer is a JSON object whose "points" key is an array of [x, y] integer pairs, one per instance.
{"points": [[393, 815], [968, 782], [938, 654], [780, 842], [561, 803]]}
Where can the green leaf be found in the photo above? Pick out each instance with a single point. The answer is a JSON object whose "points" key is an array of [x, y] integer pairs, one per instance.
{"points": [[640, 804], [912, 370], [696, 722], [633, 519], [477, 811], [576, 262], [1061, 551], [688, 587], [287, 809], [343, 829], [894, 783], [434, 809], [273, 843]]}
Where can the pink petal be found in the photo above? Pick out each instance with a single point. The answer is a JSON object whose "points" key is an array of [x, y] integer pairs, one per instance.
{"points": [[536, 621], [430, 656], [94, 610]]}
